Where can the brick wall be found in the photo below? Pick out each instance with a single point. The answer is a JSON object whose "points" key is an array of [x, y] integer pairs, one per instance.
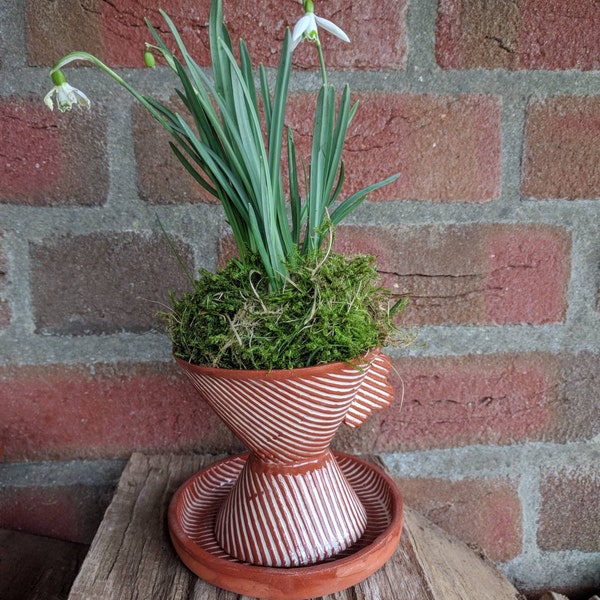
{"points": [[491, 111]]}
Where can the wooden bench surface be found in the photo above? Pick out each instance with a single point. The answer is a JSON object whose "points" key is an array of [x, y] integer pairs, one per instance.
{"points": [[131, 556]]}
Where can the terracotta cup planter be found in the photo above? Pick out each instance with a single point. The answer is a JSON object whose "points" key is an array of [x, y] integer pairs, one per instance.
{"points": [[289, 503]]}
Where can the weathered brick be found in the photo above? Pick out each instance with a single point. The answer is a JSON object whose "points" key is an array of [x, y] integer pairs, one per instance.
{"points": [[483, 512], [562, 148], [162, 179], [569, 511], [578, 397], [525, 34], [470, 273], [104, 410], [104, 283], [5, 311], [116, 31], [493, 399], [476, 33], [560, 35], [49, 158], [446, 148]]}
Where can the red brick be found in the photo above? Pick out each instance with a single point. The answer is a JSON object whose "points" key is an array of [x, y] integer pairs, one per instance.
{"points": [[560, 35], [476, 34], [71, 512], [562, 148], [497, 399], [446, 148], [528, 275], [470, 273], [486, 513], [104, 283], [52, 158], [103, 410], [162, 179], [569, 511], [526, 34], [116, 31]]}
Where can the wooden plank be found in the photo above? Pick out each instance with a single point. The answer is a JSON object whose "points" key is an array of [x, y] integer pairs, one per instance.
{"points": [[34, 567], [132, 557]]}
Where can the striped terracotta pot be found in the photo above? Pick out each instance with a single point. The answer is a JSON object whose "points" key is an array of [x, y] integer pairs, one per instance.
{"points": [[291, 504]]}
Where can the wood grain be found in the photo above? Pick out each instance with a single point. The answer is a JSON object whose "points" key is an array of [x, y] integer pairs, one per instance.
{"points": [[131, 557]]}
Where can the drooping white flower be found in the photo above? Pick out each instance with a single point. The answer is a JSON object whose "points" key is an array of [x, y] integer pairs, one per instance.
{"points": [[306, 27], [66, 94]]}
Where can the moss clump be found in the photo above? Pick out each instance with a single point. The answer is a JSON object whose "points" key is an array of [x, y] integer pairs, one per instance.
{"points": [[332, 308]]}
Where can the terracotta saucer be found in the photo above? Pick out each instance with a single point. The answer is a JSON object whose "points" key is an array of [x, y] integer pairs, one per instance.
{"points": [[192, 515]]}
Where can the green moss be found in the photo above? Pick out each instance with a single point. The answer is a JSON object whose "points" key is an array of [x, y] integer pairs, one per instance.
{"points": [[332, 308]]}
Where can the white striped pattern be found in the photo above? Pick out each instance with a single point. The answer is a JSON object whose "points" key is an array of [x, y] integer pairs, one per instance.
{"points": [[198, 501], [292, 505], [375, 392], [277, 419], [284, 416], [287, 517]]}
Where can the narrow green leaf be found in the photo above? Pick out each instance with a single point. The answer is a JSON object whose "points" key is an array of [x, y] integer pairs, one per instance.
{"points": [[265, 96], [337, 145], [350, 204], [193, 172], [295, 199], [339, 184], [248, 74], [275, 132]]}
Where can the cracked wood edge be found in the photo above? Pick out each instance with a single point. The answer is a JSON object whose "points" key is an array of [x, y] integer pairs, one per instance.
{"points": [[454, 571]]}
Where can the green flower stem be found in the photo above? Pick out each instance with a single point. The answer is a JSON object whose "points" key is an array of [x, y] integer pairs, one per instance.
{"points": [[321, 61], [86, 56]]}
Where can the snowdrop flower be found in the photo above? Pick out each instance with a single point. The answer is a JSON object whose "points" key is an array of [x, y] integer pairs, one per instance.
{"points": [[306, 27], [66, 95]]}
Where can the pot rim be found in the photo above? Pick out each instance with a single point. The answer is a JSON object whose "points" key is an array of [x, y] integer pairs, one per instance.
{"points": [[280, 373]]}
